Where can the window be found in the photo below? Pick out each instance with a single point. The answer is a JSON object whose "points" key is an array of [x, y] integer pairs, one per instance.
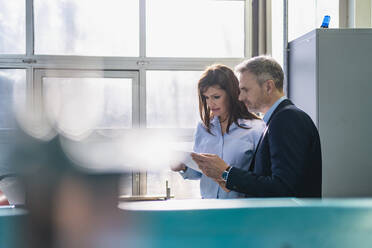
{"points": [[93, 28], [306, 15], [330, 8], [195, 28], [12, 27], [81, 101], [12, 96], [172, 99], [105, 67], [303, 16], [277, 31]]}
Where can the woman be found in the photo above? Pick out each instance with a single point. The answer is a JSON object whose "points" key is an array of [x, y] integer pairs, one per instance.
{"points": [[227, 128]]}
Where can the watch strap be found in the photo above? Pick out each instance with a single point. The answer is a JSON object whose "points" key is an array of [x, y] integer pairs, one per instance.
{"points": [[225, 174]]}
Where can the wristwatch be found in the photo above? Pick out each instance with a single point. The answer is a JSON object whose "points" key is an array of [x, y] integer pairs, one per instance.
{"points": [[225, 174]]}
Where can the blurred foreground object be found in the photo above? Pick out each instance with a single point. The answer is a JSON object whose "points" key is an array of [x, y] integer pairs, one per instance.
{"points": [[3, 200], [67, 207], [12, 189]]}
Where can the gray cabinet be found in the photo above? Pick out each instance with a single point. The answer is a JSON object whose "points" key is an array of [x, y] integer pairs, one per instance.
{"points": [[330, 78]]}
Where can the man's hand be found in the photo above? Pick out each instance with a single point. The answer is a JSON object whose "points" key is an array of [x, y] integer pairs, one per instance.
{"points": [[210, 164]]}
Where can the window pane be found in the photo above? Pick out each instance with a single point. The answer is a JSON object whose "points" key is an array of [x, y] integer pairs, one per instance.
{"points": [[12, 27], [84, 27], [78, 105], [180, 188], [172, 99], [331, 8], [301, 17], [306, 15], [195, 28], [12, 95], [277, 31]]}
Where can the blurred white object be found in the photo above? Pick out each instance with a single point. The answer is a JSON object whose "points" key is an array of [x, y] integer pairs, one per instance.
{"points": [[185, 158], [13, 190]]}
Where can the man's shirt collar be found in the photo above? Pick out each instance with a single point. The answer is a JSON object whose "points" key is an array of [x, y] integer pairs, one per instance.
{"points": [[271, 110]]}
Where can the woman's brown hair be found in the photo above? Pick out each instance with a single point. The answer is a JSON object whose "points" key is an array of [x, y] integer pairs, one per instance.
{"points": [[223, 77]]}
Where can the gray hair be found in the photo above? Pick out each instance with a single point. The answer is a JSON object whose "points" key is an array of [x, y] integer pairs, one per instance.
{"points": [[264, 68]]}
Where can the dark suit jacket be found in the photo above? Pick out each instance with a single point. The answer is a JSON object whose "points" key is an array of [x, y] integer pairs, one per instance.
{"points": [[288, 160]]}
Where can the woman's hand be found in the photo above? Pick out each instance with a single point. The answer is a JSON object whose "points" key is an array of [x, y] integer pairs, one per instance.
{"points": [[178, 167]]}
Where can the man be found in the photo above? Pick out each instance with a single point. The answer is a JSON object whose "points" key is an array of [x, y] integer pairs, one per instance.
{"points": [[287, 161]]}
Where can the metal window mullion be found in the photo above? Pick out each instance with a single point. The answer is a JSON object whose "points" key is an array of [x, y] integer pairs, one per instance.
{"points": [[343, 11], [269, 28], [187, 63], [31, 88], [248, 29], [139, 185], [142, 28], [30, 97], [85, 62], [140, 182], [119, 63], [142, 98], [36, 77], [136, 93], [29, 28], [135, 183], [135, 101], [285, 46]]}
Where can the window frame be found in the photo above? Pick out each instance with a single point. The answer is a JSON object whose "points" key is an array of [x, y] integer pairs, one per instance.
{"points": [[34, 64], [39, 74]]}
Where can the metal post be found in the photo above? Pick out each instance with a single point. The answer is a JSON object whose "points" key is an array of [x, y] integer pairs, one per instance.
{"points": [[285, 45]]}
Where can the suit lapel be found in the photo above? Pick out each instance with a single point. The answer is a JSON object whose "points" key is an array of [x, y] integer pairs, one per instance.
{"points": [[283, 104]]}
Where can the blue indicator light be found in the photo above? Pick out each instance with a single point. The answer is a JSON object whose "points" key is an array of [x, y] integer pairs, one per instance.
{"points": [[326, 21]]}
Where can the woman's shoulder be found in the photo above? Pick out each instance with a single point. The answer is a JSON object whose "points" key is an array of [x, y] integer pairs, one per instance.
{"points": [[256, 128], [200, 125], [200, 128], [252, 123]]}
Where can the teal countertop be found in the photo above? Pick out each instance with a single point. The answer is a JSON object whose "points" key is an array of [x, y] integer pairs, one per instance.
{"points": [[11, 211], [268, 222], [12, 227], [265, 222]]}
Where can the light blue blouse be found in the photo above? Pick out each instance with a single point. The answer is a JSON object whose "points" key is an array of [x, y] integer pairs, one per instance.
{"points": [[235, 148]]}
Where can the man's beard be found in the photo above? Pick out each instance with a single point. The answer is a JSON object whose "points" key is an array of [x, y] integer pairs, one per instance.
{"points": [[257, 106]]}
